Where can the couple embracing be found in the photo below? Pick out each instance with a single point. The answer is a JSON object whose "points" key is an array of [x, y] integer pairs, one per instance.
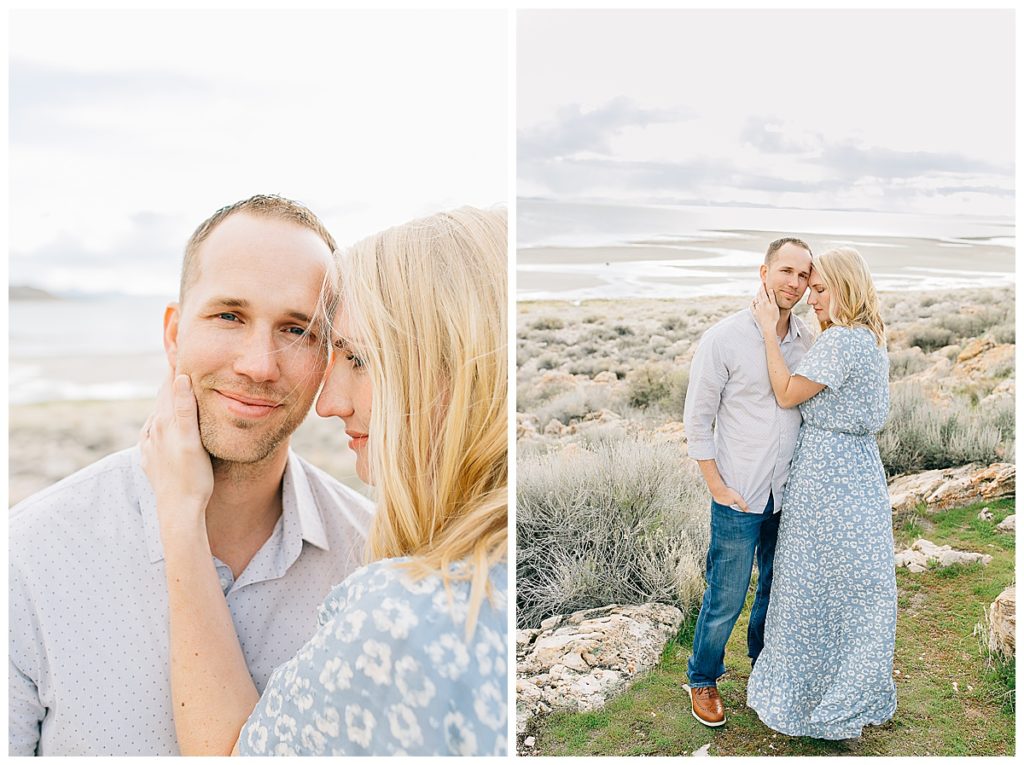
{"points": [[209, 591], [782, 425]]}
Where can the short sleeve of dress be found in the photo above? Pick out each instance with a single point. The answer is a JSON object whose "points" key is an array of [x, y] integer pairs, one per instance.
{"points": [[389, 672], [830, 360]]}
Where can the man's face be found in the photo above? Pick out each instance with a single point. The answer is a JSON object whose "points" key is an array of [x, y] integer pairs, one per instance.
{"points": [[788, 274], [243, 334]]}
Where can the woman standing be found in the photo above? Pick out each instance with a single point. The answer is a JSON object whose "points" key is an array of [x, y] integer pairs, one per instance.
{"points": [[826, 668]]}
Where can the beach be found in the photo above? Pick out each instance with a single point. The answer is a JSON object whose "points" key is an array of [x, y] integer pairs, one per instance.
{"points": [[50, 441], [586, 251]]}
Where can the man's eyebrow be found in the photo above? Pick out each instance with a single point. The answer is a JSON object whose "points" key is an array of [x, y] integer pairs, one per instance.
{"points": [[230, 302]]}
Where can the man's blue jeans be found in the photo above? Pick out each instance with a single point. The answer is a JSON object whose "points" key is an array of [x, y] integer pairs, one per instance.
{"points": [[735, 540]]}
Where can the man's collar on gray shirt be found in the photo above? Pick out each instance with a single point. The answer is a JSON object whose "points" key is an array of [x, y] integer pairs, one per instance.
{"points": [[300, 520]]}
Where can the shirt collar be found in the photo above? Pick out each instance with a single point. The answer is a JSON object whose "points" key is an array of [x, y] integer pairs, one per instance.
{"points": [[796, 327], [301, 517]]}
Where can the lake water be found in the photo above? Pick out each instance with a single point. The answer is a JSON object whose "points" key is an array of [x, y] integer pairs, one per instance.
{"points": [[578, 251], [108, 348]]}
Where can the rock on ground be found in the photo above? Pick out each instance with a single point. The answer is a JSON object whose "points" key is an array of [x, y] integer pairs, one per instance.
{"points": [[1002, 619], [917, 558], [577, 662], [1009, 523], [953, 487]]}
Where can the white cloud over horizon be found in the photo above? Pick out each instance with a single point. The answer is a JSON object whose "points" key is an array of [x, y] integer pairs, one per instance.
{"points": [[128, 128], [895, 111]]}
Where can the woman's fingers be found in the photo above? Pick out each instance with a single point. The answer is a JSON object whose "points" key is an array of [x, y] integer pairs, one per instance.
{"points": [[186, 415]]}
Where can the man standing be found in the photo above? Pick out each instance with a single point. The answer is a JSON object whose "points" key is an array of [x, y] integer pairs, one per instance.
{"points": [[743, 442], [89, 671]]}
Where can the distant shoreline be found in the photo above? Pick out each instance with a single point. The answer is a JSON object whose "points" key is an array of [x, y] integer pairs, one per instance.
{"points": [[706, 264]]}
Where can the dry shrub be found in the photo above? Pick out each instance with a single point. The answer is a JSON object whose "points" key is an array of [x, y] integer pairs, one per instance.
{"points": [[622, 522], [922, 436]]}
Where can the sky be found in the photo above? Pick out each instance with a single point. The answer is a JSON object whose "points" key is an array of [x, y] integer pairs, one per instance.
{"points": [[129, 128], [894, 111]]}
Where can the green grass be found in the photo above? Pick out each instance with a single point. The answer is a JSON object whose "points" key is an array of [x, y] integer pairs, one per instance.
{"points": [[936, 646]]}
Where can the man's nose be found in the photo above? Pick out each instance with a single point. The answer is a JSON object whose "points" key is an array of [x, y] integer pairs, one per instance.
{"points": [[257, 357]]}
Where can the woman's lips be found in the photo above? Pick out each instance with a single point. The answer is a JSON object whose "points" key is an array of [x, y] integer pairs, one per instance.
{"points": [[358, 439], [244, 406]]}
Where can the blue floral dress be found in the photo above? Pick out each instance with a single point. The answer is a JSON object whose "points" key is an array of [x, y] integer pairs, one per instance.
{"points": [[826, 668], [390, 672]]}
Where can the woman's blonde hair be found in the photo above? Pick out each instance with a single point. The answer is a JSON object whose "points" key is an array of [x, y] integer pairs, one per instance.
{"points": [[853, 301], [426, 303]]}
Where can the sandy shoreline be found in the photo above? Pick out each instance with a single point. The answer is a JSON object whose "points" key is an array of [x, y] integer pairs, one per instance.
{"points": [[50, 441], [727, 262]]}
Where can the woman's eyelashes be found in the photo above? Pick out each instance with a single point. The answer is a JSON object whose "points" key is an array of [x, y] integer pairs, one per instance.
{"points": [[342, 348]]}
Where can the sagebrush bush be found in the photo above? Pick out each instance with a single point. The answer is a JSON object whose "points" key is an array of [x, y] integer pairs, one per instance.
{"points": [[547, 322], [970, 324], [658, 383], [1003, 333], [928, 337], [920, 435], [906, 361], [577, 403], [623, 522]]}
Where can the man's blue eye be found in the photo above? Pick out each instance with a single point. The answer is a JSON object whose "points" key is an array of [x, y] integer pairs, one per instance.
{"points": [[228, 316], [298, 330]]}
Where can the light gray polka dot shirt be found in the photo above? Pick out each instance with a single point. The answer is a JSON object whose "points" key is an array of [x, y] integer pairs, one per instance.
{"points": [[88, 653]]}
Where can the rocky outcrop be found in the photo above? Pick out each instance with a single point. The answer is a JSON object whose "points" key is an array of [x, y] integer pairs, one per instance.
{"points": [[953, 487], [1008, 524], [923, 553], [577, 662], [1002, 620]]}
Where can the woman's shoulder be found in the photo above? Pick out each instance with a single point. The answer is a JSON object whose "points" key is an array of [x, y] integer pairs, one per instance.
{"points": [[394, 580], [839, 334]]}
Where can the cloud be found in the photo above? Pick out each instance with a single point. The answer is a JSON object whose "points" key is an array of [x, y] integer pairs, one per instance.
{"points": [[852, 161], [145, 258], [849, 160], [46, 103], [574, 131], [774, 162]]}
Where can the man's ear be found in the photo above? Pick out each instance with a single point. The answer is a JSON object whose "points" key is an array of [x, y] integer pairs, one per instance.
{"points": [[172, 315], [764, 273]]}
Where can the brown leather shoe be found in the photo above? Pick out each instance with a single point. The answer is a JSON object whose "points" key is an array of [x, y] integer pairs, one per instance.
{"points": [[706, 705]]}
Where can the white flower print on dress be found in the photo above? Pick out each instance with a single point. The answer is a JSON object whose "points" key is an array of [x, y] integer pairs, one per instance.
{"points": [[394, 617], [300, 695], [337, 675], [328, 723], [449, 655], [360, 724], [412, 683], [460, 737], [312, 740], [349, 626], [489, 705], [826, 667], [285, 727], [490, 652], [274, 699], [404, 727], [257, 739], [375, 662], [390, 671]]}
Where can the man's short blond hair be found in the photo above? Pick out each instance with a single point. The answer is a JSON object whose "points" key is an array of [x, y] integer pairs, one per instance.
{"points": [[778, 244], [260, 205]]}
